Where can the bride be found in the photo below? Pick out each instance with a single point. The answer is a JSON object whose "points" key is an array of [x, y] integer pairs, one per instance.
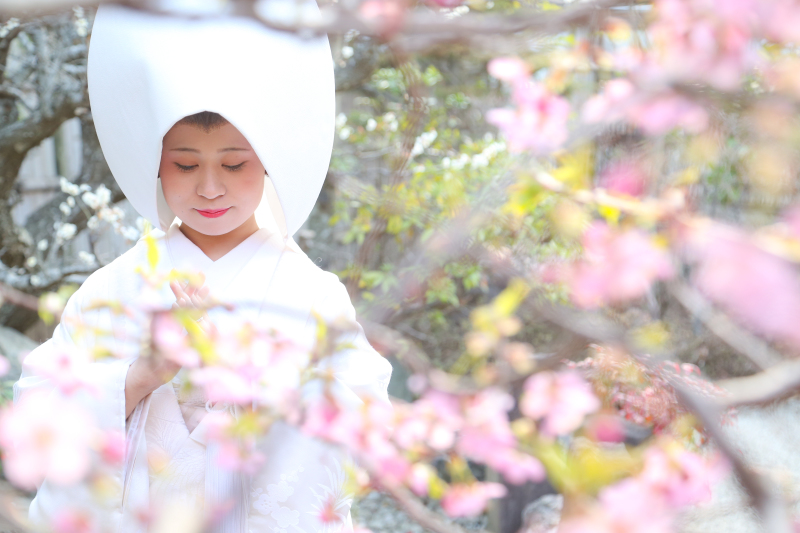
{"points": [[219, 131]]}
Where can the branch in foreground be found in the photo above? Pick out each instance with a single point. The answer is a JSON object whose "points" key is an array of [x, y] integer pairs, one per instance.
{"points": [[338, 20], [747, 344], [421, 514], [11, 295], [767, 502], [771, 384]]}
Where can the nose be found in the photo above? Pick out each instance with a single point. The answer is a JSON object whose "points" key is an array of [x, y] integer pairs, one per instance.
{"points": [[210, 185]]}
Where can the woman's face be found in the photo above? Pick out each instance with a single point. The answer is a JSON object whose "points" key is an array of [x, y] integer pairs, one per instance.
{"points": [[213, 181]]}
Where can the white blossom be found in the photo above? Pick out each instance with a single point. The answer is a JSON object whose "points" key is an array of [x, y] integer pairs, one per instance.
{"points": [[391, 120], [423, 141], [347, 52], [93, 223], [31, 262], [371, 125], [65, 208], [70, 201], [130, 233], [103, 194], [341, 120], [479, 160], [36, 280], [85, 187], [42, 245], [91, 200], [344, 134], [68, 187], [8, 26], [87, 258], [66, 231]]}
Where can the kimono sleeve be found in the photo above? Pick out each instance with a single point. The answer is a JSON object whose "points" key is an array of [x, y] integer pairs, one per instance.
{"points": [[356, 365], [302, 485], [98, 386]]}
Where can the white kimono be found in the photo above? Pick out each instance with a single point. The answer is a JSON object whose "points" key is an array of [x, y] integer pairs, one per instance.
{"points": [[272, 286]]}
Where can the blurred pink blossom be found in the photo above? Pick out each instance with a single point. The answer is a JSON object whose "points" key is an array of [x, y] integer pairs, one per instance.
{"points": [[470, 500], [617, 266], [65, 368], [539, 122], [624, 178], [605, 428], [73, 521], [655, 113], [236, 452], [517, 467], [5, 366], [708, 40], [37, 444], [756, 287], [681, 477], [561, 399], [112, 447], [171, 340], [225, 385], [433, 420]]}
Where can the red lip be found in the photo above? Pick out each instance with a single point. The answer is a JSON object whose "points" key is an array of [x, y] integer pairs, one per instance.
{"points": [[213, 213]]}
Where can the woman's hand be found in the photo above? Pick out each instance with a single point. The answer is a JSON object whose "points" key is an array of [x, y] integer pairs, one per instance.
{"points": [[146, 374], [193, 297]]}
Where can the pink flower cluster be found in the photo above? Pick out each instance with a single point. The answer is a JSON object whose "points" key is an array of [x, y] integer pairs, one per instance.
{"points": [[561, 400], [251, 365], [671, 479], [758, 288], [708, 40], [539, 122], [617, 266], [475, 427], [655, 113], [37, 444]]}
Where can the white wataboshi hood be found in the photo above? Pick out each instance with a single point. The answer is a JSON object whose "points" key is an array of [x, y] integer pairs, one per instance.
{"points": [[147, 71]]}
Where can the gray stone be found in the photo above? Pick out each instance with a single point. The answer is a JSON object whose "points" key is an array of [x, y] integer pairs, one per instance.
{"points": [[542, 515]]}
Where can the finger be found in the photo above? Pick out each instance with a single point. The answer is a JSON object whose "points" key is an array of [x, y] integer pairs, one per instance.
{"points": [[175, 289], [203, 292]]}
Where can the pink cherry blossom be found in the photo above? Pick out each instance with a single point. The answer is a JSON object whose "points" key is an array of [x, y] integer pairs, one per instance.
{"points": [[655, 113], [65, 368], [236, 452], [617, 266], [517, 467], [171, 340], [681, 477], [433, 420], [470, 500], [538, 124], [625, 178], [73, 521], [37, 444], [224, 385], [561, 399], [756, 287], [112, 447], [707, 40]]}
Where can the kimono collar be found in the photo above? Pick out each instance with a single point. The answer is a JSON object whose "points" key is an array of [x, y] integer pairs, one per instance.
{"points": [[147, 71]]}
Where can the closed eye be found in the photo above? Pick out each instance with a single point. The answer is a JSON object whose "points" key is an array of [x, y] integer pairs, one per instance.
{"points": [[185, 168], [234, 168]]}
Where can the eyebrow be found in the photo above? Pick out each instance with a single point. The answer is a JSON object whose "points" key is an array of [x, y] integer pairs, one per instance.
{"points": [[231, 149]]}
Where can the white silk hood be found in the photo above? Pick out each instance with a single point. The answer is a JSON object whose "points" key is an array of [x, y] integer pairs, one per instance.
{"points": [[147, 71]]}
